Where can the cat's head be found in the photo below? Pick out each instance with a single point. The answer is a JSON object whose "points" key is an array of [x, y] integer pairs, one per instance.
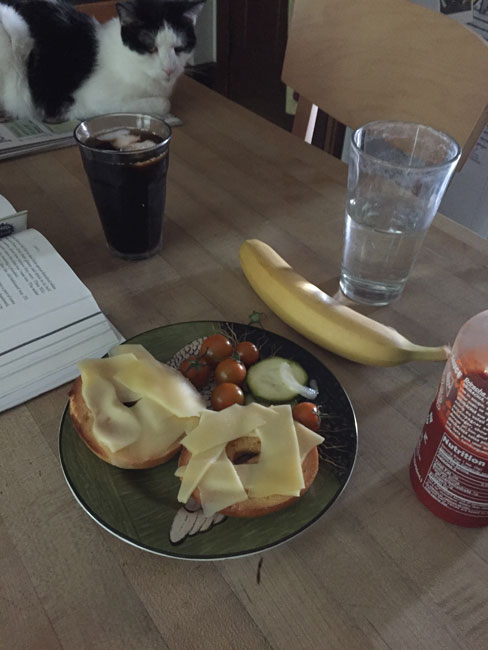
{"points": [[161, 30]]}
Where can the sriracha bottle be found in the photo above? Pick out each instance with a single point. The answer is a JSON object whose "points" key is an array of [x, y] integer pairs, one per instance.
{"points": [[449, 468]]}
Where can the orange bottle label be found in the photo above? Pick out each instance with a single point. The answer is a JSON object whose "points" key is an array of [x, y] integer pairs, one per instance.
{"points": [[449, 469]]}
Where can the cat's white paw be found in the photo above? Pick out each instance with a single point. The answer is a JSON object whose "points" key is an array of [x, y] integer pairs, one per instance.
{"points": [[5, 117], [55, 120], [172, 120]]}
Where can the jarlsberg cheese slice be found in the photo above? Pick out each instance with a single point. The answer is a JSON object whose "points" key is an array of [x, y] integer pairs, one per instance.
{"points": [[167, 405], [220, 427], [139, 352], [194, 471], [307, 440], [278, 470], [159, 381], [220, 486], [113, 423]]}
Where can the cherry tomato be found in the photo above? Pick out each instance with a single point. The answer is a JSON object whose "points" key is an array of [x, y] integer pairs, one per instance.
{"points": [[307, 413], [247, 352], [224, 395], [215, 348], [196, 370], [230, 370]]}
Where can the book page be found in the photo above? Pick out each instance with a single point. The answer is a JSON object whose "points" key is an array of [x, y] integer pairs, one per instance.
{"points": [[10, 220], [35, 282], [6, 208], [49, 320]]}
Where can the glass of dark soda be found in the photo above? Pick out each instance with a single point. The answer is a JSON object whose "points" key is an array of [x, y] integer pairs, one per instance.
{"points": [[125, 156]]}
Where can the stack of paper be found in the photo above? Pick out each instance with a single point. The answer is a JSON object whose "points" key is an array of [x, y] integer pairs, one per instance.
{"points": [[20, 137]]}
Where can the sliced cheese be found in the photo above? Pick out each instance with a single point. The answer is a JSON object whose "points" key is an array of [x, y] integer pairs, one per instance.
{"points": [[160, 428], [192, 423], [149, 427], [92, 368], [245, 474], [124, 393], [180, 470], [220, 427], [307, 440], [220, 486], [164, 385], [279, 470], [113, 423], [194, 471], [139, 351], [107, 367]]}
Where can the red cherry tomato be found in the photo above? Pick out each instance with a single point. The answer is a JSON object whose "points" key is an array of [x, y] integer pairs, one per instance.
{"points": [[247, 352], [307, 413], [224, 395], [230, 370], [196, 370], [215, 348]]}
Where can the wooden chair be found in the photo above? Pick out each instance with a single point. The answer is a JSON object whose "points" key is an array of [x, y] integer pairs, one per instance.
{"points": [[364, 60], [102, 11]]}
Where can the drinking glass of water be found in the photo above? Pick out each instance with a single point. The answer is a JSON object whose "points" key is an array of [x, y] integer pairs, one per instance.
{"points": [[398, 173]]}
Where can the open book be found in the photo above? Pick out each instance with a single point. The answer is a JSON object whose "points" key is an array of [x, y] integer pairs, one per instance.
{"points": [[49, 320]]}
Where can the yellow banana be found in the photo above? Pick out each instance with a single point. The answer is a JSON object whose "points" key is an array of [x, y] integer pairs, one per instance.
{"points": [[322, 319]]}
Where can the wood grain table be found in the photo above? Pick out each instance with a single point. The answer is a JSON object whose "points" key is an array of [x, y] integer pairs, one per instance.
{"points": [[378, 570]]}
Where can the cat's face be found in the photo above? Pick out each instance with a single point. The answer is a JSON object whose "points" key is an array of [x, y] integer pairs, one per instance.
{"points": [[162, 31]]}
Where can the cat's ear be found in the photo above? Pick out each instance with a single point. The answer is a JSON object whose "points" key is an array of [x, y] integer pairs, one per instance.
{"points": [[126, 11], [194, 11]]}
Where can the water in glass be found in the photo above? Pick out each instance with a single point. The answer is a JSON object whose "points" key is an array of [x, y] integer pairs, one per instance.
{"points": [[379, 250]]}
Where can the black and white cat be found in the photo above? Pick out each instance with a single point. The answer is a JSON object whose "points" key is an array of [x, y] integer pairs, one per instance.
{"points": [[57, 63]]}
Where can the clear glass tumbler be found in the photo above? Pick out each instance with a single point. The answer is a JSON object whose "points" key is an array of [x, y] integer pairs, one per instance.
{"points": [[125, 156], [398, 173]]}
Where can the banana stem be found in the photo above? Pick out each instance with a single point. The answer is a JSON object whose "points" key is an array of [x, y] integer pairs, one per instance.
{"points": [[421, 353]]}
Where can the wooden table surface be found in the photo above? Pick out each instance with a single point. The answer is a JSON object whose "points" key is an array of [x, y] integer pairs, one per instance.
{"points": [[378, 570]]}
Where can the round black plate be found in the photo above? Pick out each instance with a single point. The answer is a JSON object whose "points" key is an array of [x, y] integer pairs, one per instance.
{"points": [[140, 506]]}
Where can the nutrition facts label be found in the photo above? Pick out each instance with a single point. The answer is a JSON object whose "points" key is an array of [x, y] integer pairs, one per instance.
{"points": [[449, 469], [468, 418], [458, 479]]}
